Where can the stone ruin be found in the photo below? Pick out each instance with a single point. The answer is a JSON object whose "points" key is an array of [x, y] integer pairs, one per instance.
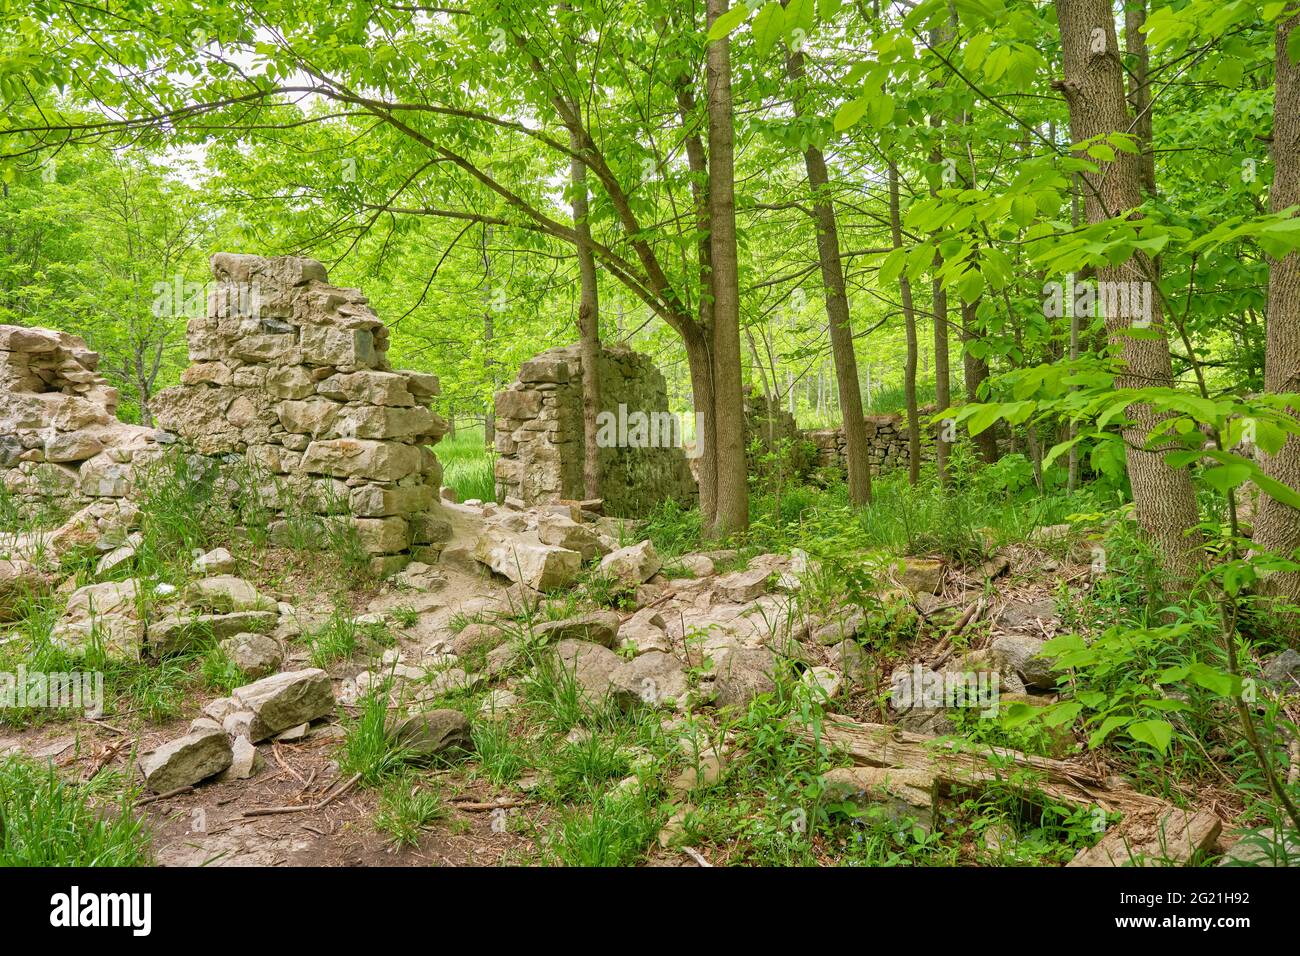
{"points": [[60, 444], [539, 434], [291, 375], [887, 441]]}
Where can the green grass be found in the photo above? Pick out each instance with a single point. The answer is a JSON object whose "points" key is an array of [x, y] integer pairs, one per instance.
{"points": [[467, 465], [46, 821], [406, 809]]}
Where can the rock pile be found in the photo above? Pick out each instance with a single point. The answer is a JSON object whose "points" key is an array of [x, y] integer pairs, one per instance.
{"points": [[540, 440], [887, 441], [59, 439], [291, 374]]}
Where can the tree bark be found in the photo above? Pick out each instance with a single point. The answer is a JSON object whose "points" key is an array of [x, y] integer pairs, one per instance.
{"points": [[729, 417], [588, 323], [975, 371], [856, 456], [909, 321], [1277, 525], [1094, 92]]}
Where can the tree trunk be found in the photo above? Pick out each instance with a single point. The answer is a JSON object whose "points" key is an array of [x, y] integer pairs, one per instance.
{"points": [[1139, 97], [1277, 526], [588, 323], [975, 371], [856, 455], [489, 416], [729, 417], [1094, 92], [909, 320]]}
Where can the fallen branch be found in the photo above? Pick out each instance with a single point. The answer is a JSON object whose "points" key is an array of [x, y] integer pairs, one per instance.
{"points": [[271, 811], [957, 764]]}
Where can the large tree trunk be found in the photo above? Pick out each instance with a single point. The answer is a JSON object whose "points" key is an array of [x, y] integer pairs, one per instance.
{"points": [[1139, 96], [729, 417], [1277, 526], [909, 321], [588, 323], [1094, 91], [856, 455]]}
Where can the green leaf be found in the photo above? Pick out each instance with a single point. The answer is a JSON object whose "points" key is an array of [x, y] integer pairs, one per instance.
{"points": [[851, 112], [767, 27], [723, 26], [1213, 679], [1157, 733]]}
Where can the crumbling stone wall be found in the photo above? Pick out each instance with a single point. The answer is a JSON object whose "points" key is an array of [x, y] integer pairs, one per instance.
{"points": [[60, 444], [887, 441], [291, 374], [540, 442]]}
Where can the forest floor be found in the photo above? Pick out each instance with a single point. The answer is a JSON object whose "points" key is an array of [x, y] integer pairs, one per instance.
{"points": [[556, 777]]}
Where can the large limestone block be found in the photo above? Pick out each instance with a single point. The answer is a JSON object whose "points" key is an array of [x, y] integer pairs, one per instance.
{"points": [[284, 700], [313, 417], [383, 535], [632, 565], [360, 458], [106, 615], [542, 567], [368, 387], [187, 760], [377, 421], [376, 501], [225, 594]]}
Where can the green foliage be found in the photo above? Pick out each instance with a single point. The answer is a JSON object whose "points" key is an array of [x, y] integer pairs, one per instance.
{"points": [[45, 821]]}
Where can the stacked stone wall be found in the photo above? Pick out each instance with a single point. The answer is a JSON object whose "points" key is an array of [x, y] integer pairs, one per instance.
{"points": [[60, 444], [887, 442], [290, 373], [540, 441]]}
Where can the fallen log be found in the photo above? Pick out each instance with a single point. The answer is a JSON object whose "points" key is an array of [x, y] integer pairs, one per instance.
{"points": [[1170, 838], [959, 764]]}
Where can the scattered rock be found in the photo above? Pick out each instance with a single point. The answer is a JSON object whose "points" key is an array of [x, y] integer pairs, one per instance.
{"points": [[904, 794], [476, 637], [107, 613], [598, 627], [226, 594], [921, 575], [564, 532], [434, 735], [19, 581], [285, 700], [216, 561], [186, 761], [743, 673], [245, 760], [257, 655], [642, 632], [1028, 615], [1282, 671], [827, 682], [543, 567], [1022, 655], [632, 565]]}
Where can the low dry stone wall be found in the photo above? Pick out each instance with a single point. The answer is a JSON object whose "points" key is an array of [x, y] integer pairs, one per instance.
{"points": [[60, 444], [539, 435], [291, 374], [887, 441]]}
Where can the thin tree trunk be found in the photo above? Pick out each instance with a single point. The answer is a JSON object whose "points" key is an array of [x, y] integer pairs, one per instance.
{"points": [[588, 322], [489, 416], [975, 371], [909, 320], [1163, 496], [856, 457], [1277, 525], [733, 493]]}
